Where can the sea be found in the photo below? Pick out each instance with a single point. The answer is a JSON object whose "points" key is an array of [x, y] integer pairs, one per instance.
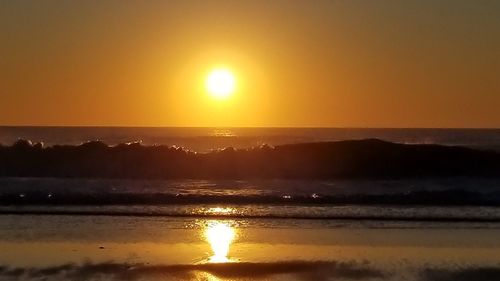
{"points": [[249, 229], [206, 139]]}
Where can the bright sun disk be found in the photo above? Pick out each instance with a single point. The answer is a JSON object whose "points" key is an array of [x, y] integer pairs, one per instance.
{"points": [[220, 83]]}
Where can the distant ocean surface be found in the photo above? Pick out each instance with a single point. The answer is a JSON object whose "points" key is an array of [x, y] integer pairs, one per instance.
{"points": [[206, 139]]}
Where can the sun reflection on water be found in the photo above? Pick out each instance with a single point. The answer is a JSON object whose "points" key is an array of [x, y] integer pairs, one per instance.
{"points": [[216, 211], [221, 211], [220, 235], [223, 133]]}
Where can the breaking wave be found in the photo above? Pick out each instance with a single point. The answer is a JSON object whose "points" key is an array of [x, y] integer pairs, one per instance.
{"points": [[359, 159]]}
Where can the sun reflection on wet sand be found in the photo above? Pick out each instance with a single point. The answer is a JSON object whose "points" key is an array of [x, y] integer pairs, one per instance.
{"points": [[220, 235]]}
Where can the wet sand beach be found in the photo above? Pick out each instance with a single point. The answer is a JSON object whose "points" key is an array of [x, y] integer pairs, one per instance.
{"points": [[162, 248]]}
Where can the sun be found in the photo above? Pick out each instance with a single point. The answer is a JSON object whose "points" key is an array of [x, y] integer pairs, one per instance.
{"points": [[220, 83]]}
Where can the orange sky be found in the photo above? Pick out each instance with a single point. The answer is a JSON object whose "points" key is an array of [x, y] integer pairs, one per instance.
{"points": [[297, 63]]}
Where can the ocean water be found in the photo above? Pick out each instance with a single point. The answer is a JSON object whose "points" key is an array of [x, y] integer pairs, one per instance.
{"points": [[206, 139], [272, 199], [249, 229], [372, 199]]}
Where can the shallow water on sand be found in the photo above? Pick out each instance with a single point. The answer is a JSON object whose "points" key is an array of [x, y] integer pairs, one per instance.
{"points": [[165, 248]]}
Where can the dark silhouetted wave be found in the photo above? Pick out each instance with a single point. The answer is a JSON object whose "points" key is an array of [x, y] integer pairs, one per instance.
{"points": [[370, 158], [376, 217], [452, 197]]}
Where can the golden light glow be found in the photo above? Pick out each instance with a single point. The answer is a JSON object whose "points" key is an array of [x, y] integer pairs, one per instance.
{"points": [[220, 236], [221, 211], [220, 83]]}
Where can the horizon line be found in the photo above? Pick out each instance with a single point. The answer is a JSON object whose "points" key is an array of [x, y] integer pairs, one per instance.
{"points": [[250, 127]]}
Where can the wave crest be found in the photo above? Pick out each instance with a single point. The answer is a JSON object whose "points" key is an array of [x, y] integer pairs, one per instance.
{"points": [[371, 158]]}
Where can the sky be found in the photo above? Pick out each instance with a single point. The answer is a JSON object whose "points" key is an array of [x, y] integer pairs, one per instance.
{"points": [[303, 63]]}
